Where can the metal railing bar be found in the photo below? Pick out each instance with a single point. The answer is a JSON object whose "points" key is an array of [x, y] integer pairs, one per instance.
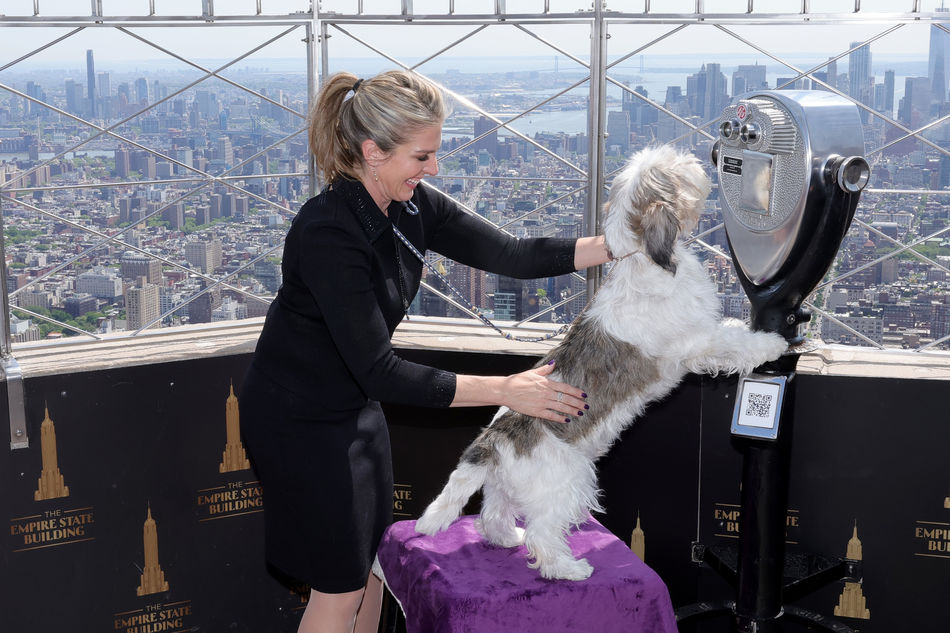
{"points": [[542, 206], [780, 19], [55, 322], [895, 242], [504, 124], [710, 247], [108, 130], [827, 315], [112, 21], [915, 134], [892, 254], [657, 106], [554, 46], [709, 231], [462, 99], [209, 177], [929, 192], [213, 73], [932, 343], [451, 45], [168, 181], [105, 237], [652, 42], [464, 207], [517, 178], [475, 215], [115, 238], [217, 282], [553, 306], [625, 17], [869, 110], [645, 17], [41, 48], [448, 299]]}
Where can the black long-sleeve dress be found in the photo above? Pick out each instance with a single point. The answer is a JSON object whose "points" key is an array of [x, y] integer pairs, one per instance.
{"points": [[310, 412]]}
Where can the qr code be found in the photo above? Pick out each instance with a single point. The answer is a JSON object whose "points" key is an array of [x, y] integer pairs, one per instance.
{"points": [[758, 405]]}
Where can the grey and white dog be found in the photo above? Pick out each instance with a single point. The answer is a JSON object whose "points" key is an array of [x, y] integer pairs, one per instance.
{"points": [[655, 318]]}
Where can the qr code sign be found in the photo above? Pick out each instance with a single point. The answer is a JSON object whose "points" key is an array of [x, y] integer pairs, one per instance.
{"points": [[758, 405]]}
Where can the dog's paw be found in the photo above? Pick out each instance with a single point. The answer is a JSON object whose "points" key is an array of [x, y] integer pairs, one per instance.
{"points": [[431, 523], [774, 345], [513, 536], [566, 569]]}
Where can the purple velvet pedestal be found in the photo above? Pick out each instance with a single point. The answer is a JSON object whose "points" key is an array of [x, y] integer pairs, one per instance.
{"points": [[454, 582]]}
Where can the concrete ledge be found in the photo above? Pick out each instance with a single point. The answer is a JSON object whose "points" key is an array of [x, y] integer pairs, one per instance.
{"points": [[425, 333]]}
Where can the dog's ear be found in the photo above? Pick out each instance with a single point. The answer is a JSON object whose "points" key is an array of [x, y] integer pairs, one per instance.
{"points": [[660, 229]]}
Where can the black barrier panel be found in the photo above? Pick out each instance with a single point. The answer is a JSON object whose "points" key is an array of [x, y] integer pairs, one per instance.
{"points": [[136, 512], [652, 476], [869, 478]]}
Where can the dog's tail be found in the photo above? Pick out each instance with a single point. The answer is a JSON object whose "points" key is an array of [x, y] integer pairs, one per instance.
{"points": [[463, 483]]}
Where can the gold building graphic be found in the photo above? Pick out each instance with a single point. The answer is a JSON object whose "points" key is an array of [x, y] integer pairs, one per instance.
{"points": [[946, 502], [51, 484], [234, 457], [852, 603], [637, 540], [153, 578]]}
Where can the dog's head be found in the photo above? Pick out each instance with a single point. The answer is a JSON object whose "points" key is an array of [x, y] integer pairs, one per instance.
{"points": [[657, 196]]}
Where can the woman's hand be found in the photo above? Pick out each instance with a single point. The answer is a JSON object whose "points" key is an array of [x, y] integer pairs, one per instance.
{"points": [[530, 392], [533, 393]]}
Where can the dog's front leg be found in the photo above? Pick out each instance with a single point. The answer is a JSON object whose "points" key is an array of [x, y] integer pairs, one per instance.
{"points": [[734, 349]]}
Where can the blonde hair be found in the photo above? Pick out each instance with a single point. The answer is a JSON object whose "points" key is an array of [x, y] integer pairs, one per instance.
{"points": [[387, 109]]}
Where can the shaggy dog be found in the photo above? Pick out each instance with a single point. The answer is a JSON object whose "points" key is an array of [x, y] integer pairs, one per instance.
{"points": [[654, 319]]}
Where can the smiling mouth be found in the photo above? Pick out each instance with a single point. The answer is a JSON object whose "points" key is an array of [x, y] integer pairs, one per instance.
{"points": [[413, 181]]}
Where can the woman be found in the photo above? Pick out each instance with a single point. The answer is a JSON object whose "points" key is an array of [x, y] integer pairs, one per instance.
{"points": [[310, 403]]}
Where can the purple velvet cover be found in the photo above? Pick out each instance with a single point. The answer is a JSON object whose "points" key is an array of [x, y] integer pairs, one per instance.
{"points": [[454, 582]]}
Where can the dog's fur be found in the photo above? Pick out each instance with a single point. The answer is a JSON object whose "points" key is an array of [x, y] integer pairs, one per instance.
{"points": [[655, 318]]}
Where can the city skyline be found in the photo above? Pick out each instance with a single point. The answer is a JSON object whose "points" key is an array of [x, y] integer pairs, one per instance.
{"points": [[214, 251]]}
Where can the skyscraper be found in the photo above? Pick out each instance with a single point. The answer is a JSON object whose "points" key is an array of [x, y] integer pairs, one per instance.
{"points": [[91, 84], [938, 68], [889, 92], [141, 90], [74, 97], [859, 75], [489, 143], [142, 305], [748, 77]]}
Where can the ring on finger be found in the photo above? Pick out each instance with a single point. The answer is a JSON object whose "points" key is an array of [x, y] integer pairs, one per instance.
{"points": [[560, 396]]}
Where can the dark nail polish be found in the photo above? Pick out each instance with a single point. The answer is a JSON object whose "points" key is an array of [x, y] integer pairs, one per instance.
{"points": [[580, 413], [583, 395], [551, 363], [587, 406], [567, 419]]}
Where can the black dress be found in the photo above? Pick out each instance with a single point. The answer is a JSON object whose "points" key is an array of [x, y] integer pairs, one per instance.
{"points": [[310, 412]]}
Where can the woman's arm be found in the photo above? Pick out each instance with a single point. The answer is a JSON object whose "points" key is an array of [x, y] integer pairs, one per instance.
{"points": [[591, 251], [530, 392]]}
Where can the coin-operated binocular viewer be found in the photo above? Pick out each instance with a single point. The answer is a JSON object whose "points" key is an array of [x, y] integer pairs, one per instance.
{"points": [[791, 170]]}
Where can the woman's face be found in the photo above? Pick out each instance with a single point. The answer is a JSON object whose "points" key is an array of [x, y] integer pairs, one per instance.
{"points": [[398, 173]]}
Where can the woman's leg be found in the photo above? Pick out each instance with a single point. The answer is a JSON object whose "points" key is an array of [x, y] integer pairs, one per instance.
{"points": [[367, 620], [330, 612]]}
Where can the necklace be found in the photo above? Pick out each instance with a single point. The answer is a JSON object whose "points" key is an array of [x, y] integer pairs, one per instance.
{"points": [[411, 209]]}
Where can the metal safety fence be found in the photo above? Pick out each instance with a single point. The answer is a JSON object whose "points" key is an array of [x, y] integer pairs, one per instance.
{"points": [[155, 192]]}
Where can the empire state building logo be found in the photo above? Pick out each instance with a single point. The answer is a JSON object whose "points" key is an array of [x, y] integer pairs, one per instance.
{"points": [[51, 484], [153, 578], [852, 603], [234, 457]]}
